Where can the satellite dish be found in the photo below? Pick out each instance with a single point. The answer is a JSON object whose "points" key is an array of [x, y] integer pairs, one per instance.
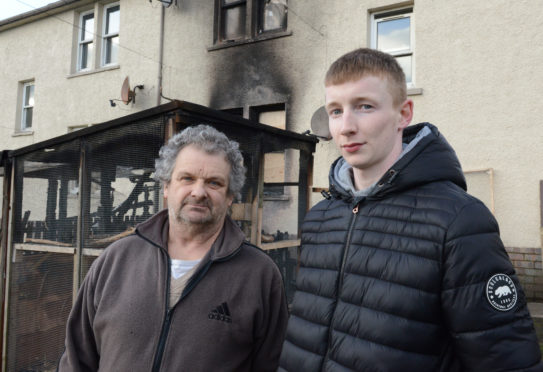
{"points": [[127, 95], [319, 124]]}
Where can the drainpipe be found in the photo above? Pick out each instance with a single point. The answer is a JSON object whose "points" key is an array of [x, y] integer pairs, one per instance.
{"points": [[160, 55]]}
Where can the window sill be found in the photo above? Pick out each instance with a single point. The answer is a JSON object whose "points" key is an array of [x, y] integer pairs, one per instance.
{"points": [[264, 37], [414, 91], [90, 72], [23, 133]]}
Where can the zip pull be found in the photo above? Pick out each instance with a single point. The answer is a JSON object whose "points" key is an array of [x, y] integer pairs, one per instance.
{"points": [[355, 209]]}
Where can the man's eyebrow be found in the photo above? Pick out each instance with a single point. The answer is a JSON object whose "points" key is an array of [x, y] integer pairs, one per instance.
{"points": [[331, 103]]}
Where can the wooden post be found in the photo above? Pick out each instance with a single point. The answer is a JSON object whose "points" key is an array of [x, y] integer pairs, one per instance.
{"points": [[83, 222]]}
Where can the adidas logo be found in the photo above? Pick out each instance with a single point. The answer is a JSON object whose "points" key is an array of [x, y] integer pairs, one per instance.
{"points": [[221, 313]]}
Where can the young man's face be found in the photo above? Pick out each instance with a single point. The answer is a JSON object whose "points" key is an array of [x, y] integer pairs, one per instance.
{"points": [[366, 125], [198, 191]]}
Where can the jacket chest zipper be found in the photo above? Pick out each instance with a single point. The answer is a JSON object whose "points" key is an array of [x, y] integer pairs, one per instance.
{"points": [[169, 312], [165, 324], [340, 280], [157, 361]]}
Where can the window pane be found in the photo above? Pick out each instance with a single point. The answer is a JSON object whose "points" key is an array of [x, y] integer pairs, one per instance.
{"points": [[406, 65], [86, 55], [394, 35], [29, 95], [112, 23], [112, 49], [88, 27], [274, 15], [233, 25], [27, 118]]}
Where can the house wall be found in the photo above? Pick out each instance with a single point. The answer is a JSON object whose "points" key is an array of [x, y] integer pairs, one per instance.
{"points": [[477, 64]]}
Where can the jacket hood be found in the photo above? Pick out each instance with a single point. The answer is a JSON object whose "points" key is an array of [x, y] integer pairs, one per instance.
{"points": [[427, 157], [156, 230]]}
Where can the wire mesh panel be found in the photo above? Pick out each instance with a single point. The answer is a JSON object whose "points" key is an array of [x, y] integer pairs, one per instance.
{"points": [[39, 306], [119, 191], [41, 281], [280, 215]]}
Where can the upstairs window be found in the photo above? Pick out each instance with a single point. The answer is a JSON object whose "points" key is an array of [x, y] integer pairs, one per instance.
{"points": [[272, 15], [233, 14], [86, 41], [110, 41], [98, 37], [392, 33], [238, 20], [28, 106]]}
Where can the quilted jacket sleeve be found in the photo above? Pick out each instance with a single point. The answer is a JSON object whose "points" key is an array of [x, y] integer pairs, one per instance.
{"points": [[489, 332], [80, 354]]}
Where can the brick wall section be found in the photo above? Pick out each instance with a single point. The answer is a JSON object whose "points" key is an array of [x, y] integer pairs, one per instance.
{"points": [[527, 263]]}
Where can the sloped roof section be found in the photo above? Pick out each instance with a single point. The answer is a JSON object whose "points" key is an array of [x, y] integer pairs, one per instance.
{"points": [[43, 12]]}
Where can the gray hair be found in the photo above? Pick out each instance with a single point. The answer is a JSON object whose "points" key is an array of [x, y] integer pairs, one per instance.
{"points": [[211, 141]]}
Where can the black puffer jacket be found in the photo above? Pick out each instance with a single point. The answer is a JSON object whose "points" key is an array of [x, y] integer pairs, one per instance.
{"points": [[400, 280]]}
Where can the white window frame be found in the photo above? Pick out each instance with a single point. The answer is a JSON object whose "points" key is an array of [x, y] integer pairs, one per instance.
{"points": [[107, 36], [81, 43], [24, 107], [387, 15]]}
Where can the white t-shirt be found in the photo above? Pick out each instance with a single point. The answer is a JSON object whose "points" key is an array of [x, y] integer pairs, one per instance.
{"points": [[181, 267], [181, 272]]}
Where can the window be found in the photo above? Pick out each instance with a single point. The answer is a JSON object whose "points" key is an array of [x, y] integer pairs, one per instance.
{"points": [[249, 19], [86, 37], [392, 32], [28, 106], [98, 37], [272, 15], [110, 43], [275, 162]]}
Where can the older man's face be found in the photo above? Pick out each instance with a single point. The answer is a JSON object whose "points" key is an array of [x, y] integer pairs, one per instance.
{"points": [[198, 191]]}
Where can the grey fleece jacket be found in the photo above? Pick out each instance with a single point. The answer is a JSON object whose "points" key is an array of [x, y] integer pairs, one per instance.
{"points": [[231, 316]]}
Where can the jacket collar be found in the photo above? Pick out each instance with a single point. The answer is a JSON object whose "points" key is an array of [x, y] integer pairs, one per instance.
{"points": [[156, 230], [427, 157]]}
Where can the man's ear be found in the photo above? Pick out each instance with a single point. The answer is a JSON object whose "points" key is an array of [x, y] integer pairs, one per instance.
{"points": [[406, 114], [165, 190], [229, 200]]}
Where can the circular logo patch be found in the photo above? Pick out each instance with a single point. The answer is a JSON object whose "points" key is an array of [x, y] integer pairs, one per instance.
{"points": [[501, 292]]}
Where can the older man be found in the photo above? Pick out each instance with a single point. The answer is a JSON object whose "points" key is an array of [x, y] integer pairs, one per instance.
{"points": [[185, 292]]}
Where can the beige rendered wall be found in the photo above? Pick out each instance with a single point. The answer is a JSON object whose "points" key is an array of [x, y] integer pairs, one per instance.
{"points": [[45, 51], [477, 64]]}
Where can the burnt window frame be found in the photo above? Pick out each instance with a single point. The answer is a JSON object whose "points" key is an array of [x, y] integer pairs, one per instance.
{"points": [[271, 192], [253, 28], [260, 19]]}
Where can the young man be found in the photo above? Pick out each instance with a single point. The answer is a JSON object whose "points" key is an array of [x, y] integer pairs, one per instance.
{"points": [[401, 269], [185, 292]]}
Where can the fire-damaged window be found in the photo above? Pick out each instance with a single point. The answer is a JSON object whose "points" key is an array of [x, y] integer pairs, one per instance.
{"points": [[246, 20], [272, 15], [274, 162]]}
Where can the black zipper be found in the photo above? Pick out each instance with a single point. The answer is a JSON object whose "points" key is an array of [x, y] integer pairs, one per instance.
{"points": [[166, 323], [168, 316], [340, 281]]}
